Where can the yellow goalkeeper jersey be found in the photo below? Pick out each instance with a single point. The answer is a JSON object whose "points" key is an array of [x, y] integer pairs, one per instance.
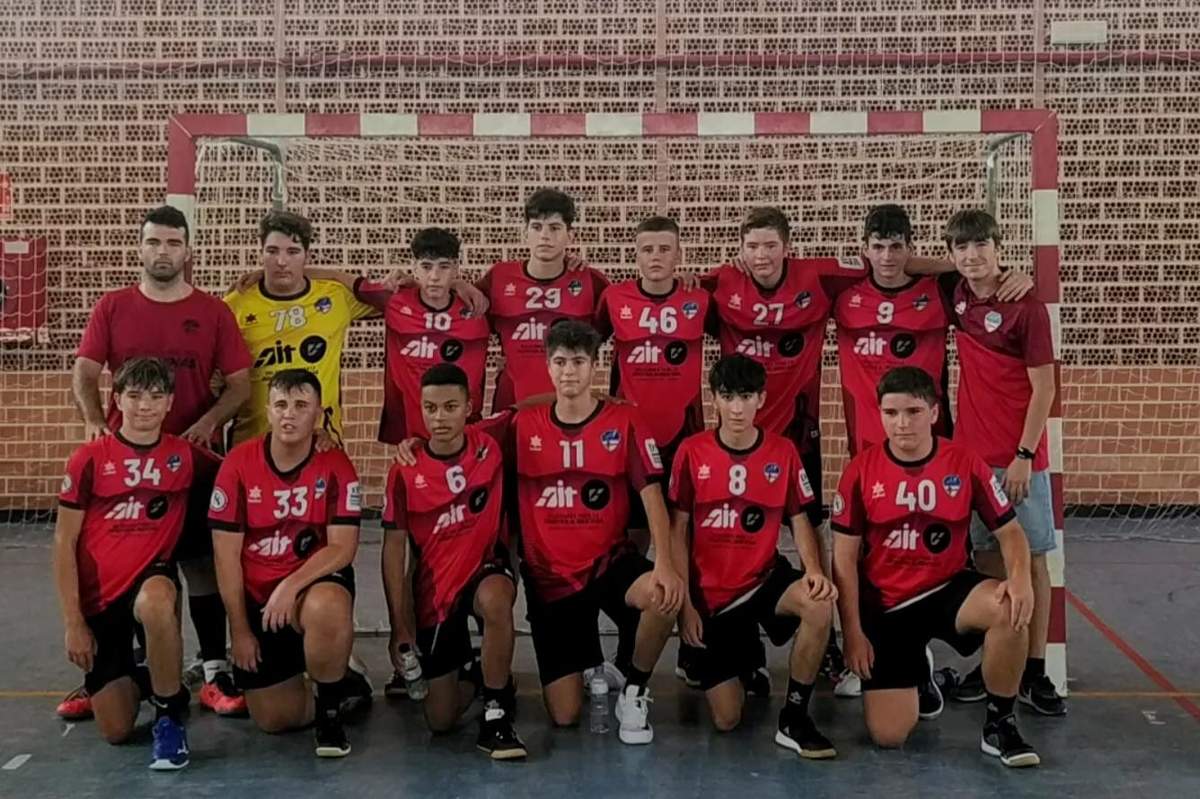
{"points": [[305, 330]]}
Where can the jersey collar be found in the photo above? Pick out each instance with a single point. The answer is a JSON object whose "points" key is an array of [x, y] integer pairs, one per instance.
{"points": [[452, 456], [651, 295], [295, 469], [887, 448], [576, 425], [758, 440], [262, 288], [128, 443]]}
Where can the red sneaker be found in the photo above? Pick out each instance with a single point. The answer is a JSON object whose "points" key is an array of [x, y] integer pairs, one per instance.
{"points": [[76, 706], [222, 697]]}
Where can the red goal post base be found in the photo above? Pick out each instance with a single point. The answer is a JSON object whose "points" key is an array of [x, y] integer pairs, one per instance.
{"points": [[185, 130]]}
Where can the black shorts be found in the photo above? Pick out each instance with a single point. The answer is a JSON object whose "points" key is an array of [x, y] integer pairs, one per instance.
{"points": [[195, 542], [731, 636], [113, 628], [446, 647], [281, 653], [566, 632], [899, 638]]}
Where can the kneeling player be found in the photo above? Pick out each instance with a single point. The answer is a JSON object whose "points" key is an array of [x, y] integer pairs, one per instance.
{"points": [[117, 527], [576, 461], [735, 486], [285, 531], [446, 510], [910, 500]]}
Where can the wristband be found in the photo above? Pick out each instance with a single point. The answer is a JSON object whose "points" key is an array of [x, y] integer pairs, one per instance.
{"points": [[1024, 454]]}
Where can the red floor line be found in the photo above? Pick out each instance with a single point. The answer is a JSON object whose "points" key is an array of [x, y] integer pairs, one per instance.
{"points": [[1156, 676]]}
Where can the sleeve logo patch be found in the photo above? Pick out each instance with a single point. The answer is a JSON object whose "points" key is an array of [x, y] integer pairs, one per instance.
{"points": [[354, 497], [998, 492], [219, 501], [839, 504], [653, 454], [67, 485], [805, 486]]}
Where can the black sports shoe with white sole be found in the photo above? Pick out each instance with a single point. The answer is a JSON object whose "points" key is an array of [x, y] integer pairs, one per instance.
{"points": [[971, 688], [798, 733], [497, 737], [1040, 694], [1002, 739], [330, 737]]}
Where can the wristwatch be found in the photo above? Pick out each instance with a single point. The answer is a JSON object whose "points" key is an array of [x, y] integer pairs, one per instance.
{"points": [[1024, 454]]}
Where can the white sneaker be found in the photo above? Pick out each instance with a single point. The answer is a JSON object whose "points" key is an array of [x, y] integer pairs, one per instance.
{"points": [[633, 712], [612, 676], [848, 685]]}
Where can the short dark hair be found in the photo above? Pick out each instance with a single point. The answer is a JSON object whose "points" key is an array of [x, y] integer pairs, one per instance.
{"points": [[446, 374], [288, 380], [888, 221], [291, 225], [573, 335], [658, 224], [547, 202], [737, 374], [767, 217], [144, 373], [435, 242], [910, 380], [167, 216], [972, 224]]}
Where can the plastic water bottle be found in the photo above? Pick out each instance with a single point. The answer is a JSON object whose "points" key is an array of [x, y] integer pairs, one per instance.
{"points": [[410, 670], [598, 715]]}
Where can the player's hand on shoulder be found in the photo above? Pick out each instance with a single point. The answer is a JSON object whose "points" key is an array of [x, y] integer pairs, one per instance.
{"points": [[475, 299], [246, 281], [397, 279], [323, 441], [200, 434], [1013, 286], [93, 429], [81, 645], [860, 655], [740, 264], [688, 281], [406, 451], [245, 653], [691, 626], [573, 262], [820, 588]]}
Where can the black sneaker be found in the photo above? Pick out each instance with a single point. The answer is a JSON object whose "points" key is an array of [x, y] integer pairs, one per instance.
{"points": [[331, 737], [1040, 694], [396, 688], [497, 737], [799, 733], [832, 664], [356, 688], [757, 683], [971, 688], [929, 697], [1002, 739]]}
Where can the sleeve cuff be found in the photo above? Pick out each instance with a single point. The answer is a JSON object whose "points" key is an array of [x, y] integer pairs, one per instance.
{"points": [[837, 527], [350, 520], [1004, 519], [66, 503], [225, 527]]}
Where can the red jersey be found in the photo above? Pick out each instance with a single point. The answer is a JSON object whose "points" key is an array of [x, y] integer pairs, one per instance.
{"points": [[879, 329], [133, 500], [521, 309], [420, 336], [452, 508], [997, 343], [196, 336], [573, 491], [658, 354], [783, 329], [915, 517], [283, 515], [737, 499]]}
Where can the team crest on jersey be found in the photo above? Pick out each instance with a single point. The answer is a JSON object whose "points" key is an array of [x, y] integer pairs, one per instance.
{"points": [[992, 322], [465, 312], [690, 309], [960, 308], [510, 289], [922, 302], [856, 301], [771, 471], [877, 491], [254, 495], [319, 488], [839, 504], [535, 443], [219, 501], [735, 301], [703, 473], [998, 492], [626, 312], [323, 305], [610, 439], [953, 484], [174, 462], [66, 483], [575, 288], [420, 482], [109, 469], [803, 299]]}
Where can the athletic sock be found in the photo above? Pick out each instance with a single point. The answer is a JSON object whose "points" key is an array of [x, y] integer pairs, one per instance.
{"points": [[998, 707], [329, 697], [497, 695], [208, 617], [636, 676], [171, 706], [1034, 668], [798, 696]]}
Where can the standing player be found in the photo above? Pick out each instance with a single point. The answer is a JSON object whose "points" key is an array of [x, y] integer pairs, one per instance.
{"points": [[427, 324], [121, 510], [908, 502], [292, 319], [526, 297], [1006, 388], [285, 531], [734, 487], [447, 511], [197, 336], [576, 461]]}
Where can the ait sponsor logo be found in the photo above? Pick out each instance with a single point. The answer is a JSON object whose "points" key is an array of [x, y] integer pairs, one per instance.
{"points": [[323, 305], [531, 330], [771, 471], [575, 288], [756, 347], [905, 538], [626, 312], [455, 514], [870, 345], [690, 309], [645, 353], [610, 440], [722, 518], [952, 483], [422, 349], [992, 321], [126, 510], [272, 547], [559, 495]]}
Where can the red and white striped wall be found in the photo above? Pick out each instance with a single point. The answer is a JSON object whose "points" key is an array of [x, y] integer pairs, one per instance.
{"points": [[1042, 126]]}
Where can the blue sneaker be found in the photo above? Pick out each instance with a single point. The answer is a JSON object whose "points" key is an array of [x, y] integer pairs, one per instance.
{"points": [[170, 745]]}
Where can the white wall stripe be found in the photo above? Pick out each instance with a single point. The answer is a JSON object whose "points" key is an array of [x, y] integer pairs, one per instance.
{"points": [[501, 124], [1054, 310], [964, 121], [187, 204], [832, 122], [1056, 666], [1056, 562], [387, 124], [614, 125], [274, 124], [1045, 216], [720, 124], [1054, 442]]}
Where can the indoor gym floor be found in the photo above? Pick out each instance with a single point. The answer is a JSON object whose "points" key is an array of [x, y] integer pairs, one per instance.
{"points": [[1133, 728]]}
